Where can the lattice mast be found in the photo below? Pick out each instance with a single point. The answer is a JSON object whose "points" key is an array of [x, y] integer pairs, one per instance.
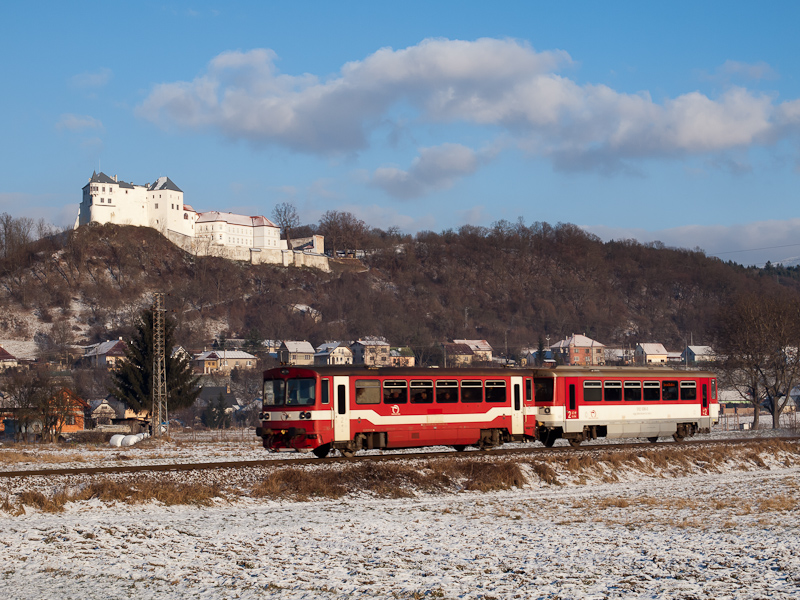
{"points": [[160, 416]]}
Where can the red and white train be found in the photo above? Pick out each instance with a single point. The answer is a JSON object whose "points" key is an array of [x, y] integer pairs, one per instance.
{"points": [[349, 408]]}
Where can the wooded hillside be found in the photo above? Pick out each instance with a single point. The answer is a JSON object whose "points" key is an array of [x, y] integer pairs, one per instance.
{"points": [[509, 284]]}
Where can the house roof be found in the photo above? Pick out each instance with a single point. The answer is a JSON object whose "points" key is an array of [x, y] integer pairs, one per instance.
{"points": [[701, 350], [475, 345], [458, 349], [6, 355], [214, 216], [100, 178], [218, 354], [303, 347], [370, 342], [164, 183], [581, 341], [110, 348], [653, 348]]}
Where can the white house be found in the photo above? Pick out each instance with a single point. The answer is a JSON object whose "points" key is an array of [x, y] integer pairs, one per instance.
{"points": [[333, 353], [232, 230], [648, 354], [694, 354]]}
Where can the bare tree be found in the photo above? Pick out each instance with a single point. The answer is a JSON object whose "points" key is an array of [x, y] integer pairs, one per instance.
{"points": [[285, 216], [759, 336]]}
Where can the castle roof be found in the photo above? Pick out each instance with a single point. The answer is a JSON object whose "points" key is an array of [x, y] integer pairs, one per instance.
{"points": [[164, 183], [100, 178], [213, 216]]}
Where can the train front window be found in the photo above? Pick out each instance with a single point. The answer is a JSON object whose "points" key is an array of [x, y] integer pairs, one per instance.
{"points": [[544, 390], [274, 392], [446, 391], [496, 391], [592, 391], [301, 392]]}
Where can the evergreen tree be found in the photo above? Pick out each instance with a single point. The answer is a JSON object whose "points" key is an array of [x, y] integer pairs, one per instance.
{"points": [[132, 382], [215, 416]]}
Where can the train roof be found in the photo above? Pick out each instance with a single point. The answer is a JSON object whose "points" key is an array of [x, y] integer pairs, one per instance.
{"points": [[562, 371]]}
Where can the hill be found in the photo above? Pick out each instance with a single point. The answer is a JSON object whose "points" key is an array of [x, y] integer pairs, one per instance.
{"points": [[509, 284]]}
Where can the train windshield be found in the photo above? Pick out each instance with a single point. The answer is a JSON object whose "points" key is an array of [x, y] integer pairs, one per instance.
{"points": [[290, 392]]}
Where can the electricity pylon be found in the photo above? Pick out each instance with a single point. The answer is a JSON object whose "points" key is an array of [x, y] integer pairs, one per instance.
{"points": [[160, 416]]}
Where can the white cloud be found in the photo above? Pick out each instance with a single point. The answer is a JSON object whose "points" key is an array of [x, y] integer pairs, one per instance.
{"points": [[753, 71], [748, 243], [435, 168], [78, 122], [488, 82], [92, 79]]}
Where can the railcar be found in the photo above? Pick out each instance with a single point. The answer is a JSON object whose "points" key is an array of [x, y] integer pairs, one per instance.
{"points": [[582, 403], [349, 408]]}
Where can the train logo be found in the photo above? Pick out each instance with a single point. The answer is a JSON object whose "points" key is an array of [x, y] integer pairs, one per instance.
{"points": [[395, 409], [592, 414]]}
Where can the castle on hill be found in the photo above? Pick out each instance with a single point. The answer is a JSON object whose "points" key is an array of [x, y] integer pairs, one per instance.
{"points": [[160, 206]]}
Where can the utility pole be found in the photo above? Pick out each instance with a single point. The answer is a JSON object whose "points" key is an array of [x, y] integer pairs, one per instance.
{"points": [[159, 414]]}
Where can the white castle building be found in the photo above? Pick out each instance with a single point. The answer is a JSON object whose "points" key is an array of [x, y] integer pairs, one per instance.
{"points": [[160, 205]]}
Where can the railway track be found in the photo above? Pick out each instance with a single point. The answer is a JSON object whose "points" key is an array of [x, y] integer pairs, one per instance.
{"points": [[173, 467]]}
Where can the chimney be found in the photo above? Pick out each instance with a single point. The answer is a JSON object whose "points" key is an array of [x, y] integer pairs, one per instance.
{"points": [[115, 178]]}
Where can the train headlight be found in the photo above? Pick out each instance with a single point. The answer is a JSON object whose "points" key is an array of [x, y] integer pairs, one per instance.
{"points": [[547, 410], [265, 416]]}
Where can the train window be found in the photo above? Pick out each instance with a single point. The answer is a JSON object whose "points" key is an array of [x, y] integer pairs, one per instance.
{"points": [[496, 391], [544, 390], [592, 391], [528, 390], [301, 392], [446, 391], [368, 391], [325, 391], [688, 390], [341, 399], [471, 391], [571, 396], [713, 389], [421, 392], [274, 392], [669, 390], [705, 396], [613, 391], [633, 391], [652, 391], [395, 392]]}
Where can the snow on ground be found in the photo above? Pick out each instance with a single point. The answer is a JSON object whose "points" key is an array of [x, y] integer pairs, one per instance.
{"points": [[727, 531], [703, 537]]}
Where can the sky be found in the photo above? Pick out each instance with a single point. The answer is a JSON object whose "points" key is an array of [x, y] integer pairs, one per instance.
{"points": [[674, 122]]}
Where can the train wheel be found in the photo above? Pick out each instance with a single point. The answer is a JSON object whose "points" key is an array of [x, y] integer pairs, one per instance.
{"points": [[677, 437], [574, 443], [652, 440], [347, 453], [459, 448], [322, 451]]}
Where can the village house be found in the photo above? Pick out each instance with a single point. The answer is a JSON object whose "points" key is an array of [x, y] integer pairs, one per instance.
{"points": [[402, 357], [370, 351], [698, 354], [105, 354], [457, 355], [292, 352], [650, 354], [481, 350], [579, 350], [333, 353], [223, 361], [7, 361]]}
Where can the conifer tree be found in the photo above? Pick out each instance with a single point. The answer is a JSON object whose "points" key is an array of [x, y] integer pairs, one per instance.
{"points": [[133, 381]]}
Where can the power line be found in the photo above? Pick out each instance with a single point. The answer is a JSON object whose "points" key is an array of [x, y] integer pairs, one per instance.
{"points": [[755, 249]]}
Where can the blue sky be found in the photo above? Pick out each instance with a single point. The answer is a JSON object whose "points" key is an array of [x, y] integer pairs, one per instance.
{"points": [[676, 122]]}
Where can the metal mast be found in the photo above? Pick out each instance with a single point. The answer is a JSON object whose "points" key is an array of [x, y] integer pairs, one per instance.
{"points": [[160, 415]]}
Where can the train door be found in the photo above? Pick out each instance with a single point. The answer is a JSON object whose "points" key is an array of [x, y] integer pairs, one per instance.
{"points": [[704, 406], [517, 422], [341, 409], [572, 408]]}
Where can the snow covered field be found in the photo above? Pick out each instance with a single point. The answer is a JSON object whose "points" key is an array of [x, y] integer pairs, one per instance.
{"points": [[705, 528]]}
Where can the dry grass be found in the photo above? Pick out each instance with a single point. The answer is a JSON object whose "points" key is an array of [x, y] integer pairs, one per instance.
{"points": [[13, 457]]}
